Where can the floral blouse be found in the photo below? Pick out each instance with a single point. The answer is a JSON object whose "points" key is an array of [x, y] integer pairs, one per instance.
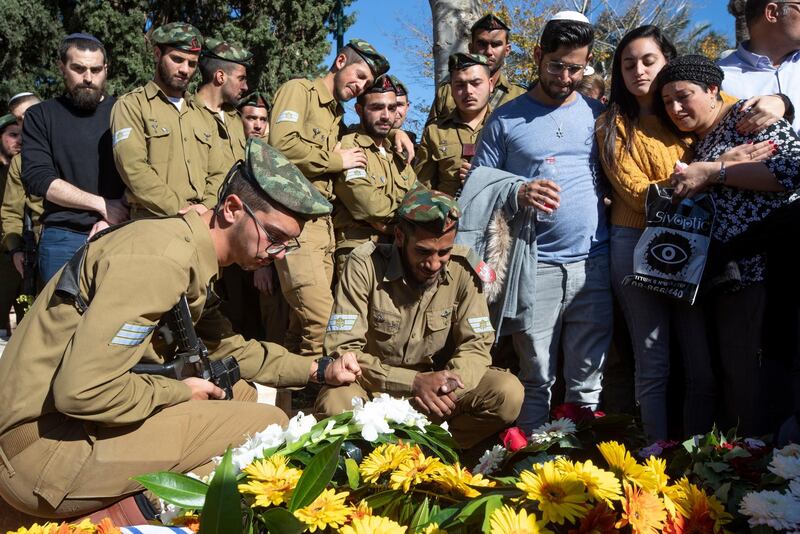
{"points": [[738, 209]]}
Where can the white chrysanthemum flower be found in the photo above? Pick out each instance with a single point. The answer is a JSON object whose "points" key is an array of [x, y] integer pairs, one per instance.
{"points": [[792, 449], [298, 426], [400, 411], [253, 447], [446, 427], [771, 508], [794, 488], [169, 512], [786, 467], [371, 417], [490, 460], [562, 427]]}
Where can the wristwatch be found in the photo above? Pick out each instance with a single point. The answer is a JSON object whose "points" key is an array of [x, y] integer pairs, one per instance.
{"points": [[723, 173], [322, 364]]}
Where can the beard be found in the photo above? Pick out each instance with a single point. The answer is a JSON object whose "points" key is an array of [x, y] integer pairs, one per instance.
{"points": [[170, 80], [86, 97], [549, 89], [378, 129]]}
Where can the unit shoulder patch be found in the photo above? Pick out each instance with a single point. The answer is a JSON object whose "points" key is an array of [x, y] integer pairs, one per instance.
{"points": [[480, 325], [341, 322], [131, 334], [288, 116]]}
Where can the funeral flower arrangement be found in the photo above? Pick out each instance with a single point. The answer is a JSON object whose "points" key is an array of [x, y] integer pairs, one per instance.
{"points": [[385, 468]]}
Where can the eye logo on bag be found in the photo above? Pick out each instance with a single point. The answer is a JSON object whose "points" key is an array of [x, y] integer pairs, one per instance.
{"points": [[671, 253], [668, 252]]}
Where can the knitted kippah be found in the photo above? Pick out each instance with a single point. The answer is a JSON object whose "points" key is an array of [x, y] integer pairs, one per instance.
{"points": [[691, 68]]}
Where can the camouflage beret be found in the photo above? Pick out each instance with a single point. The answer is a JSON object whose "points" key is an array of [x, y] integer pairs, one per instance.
{"points": [[227, 51], [427, 207], [281, 181], [400, 86], [178, 35], [7, 120], [490, 22], [461, 61], [377, 63], [255, 99], [382, 84]]}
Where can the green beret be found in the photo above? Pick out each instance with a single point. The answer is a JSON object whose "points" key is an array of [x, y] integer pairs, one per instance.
{"points": [[461, 61], [7, 120], [377, 63], [255, 99], [281, 181], [227, 51], [429, 208], [400, 86], [382, 84], [489, 22], [178, 35]]}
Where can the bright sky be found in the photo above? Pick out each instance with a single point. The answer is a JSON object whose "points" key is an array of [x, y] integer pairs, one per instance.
{"points": [[381, 23]]}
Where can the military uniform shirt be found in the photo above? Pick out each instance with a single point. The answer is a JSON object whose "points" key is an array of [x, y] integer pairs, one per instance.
{"points": [[14, 202], [443, 103], [371, 195], [229, 131], [60, 360], [305, 124], [439, 156], [167, 158], [395, 329]]}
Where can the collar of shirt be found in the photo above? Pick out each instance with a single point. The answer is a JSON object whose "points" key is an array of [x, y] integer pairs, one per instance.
{"points": [[206, 253], [364, 140], [325, 97], [454, 118], [152, 90], [394, 270], [757, 61]]}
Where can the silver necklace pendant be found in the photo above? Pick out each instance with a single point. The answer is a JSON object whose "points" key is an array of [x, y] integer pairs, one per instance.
{"points": [[559, 133]]}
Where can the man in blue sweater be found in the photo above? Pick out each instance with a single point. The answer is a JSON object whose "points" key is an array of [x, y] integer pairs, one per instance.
{"points": [[554, 124], [67, 157]]}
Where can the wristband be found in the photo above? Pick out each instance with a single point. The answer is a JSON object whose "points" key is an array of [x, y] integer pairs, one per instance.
{"points": [[322, 365], [787, 102], [723, 173]]}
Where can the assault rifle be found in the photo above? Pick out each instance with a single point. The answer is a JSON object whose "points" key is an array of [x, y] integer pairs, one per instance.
{"points": [[191, 355]]}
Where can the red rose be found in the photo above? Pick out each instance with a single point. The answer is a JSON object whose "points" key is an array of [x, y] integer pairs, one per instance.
{"points": [[514, 439], [574, 412]]}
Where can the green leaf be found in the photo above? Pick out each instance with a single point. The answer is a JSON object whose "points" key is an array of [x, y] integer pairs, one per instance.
{"points": [[420, 517], [353, 476], [492, 504], [444, 516], [175, 488], [223, 507], [379, 500], [282, 521], [316, 476]]}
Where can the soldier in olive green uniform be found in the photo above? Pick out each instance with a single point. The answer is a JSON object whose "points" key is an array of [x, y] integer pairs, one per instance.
{"points": [[415, 316], [490, 38], [306, 125], [76, 423], [164, 149], [447, 146], [254, 110], [9, 278], [223, 66], [367, 199]]}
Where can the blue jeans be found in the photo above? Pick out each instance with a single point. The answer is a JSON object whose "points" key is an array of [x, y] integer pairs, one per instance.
{"points": [[650, 317], [573, 311], [56, 247]]}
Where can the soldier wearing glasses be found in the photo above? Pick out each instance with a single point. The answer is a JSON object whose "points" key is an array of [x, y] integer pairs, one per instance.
{"points": [[76, 423]]}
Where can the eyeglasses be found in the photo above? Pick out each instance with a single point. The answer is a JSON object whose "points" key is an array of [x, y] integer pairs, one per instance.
{"points": [[556, 67], [275, 246]]}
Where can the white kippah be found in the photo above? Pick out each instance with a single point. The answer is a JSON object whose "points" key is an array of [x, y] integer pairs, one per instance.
{"points": [[19, 95], [577, 16]]}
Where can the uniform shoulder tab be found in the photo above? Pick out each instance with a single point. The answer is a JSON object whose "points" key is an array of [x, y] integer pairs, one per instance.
{"points": [[131, 94], [475, 263], [364, 250]]}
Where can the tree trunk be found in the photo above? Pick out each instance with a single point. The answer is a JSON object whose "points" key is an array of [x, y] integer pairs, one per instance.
{"points": [[451, 22], [736, 8]]}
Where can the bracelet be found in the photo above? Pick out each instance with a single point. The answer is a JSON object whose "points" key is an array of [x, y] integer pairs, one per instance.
{"points": [[723, 173], [787, 102], [322, 365]]}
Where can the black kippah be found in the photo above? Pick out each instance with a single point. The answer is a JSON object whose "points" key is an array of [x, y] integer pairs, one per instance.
{"points": [[691, 68]]}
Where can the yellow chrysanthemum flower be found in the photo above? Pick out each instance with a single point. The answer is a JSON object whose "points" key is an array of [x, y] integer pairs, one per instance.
{"points": [[384, 459], [362, 510], [506, 521], [272, 481], [456, 480], [373, 524], [602, 485], [624, 465], [36, 528], [561, 496], [642, 510], [414, 470], [327, 510], [688, 498], [433, 528], [658, 479]]}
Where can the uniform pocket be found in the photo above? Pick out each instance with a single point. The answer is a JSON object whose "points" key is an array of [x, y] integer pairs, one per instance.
{"points": [[437, 320], [385, 323], [159, 147]]}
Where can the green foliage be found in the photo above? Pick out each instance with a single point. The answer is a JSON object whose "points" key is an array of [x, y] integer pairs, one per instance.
{"points": [[175, 488], [223, 502], [316, 476], [289, 38]]}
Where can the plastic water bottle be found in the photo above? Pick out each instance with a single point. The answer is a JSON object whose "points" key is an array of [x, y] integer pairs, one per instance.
{"points": [[547, 171]]}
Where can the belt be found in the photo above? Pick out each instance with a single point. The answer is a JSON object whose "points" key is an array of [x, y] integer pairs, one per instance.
{"points": [[23, 436]]}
